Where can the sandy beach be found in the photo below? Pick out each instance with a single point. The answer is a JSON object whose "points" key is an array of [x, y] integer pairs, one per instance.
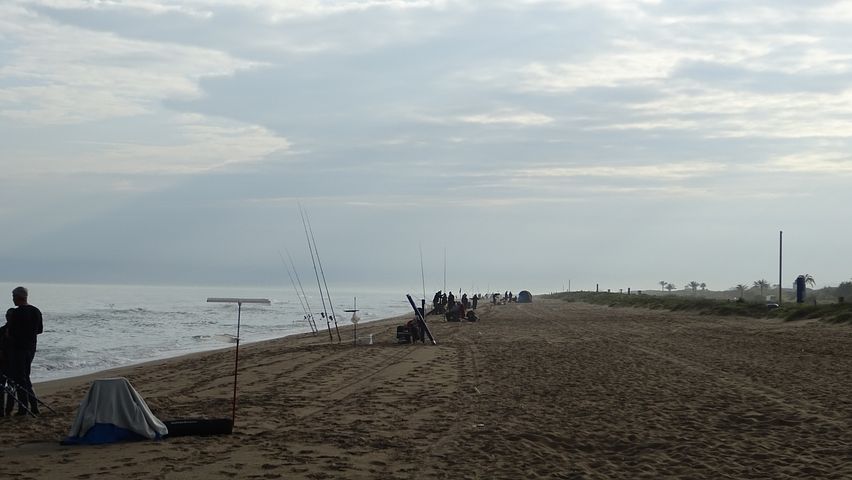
{"points": [[543, 390]]}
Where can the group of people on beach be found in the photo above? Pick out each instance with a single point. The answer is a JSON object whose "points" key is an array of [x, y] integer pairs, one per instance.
{"points": [[18, 338], [454, 310], [506, 298], [445, 303]]}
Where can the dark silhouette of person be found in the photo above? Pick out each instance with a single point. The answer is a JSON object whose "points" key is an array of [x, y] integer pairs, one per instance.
{"points": [[437, 308], [5, 373], [475, 300], [23, 326]]}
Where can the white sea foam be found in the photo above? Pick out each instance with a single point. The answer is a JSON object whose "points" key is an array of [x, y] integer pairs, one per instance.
{"points": [[88, 328]]}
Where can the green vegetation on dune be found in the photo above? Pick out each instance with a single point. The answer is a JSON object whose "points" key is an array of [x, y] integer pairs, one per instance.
{"points": [[833, 313]]}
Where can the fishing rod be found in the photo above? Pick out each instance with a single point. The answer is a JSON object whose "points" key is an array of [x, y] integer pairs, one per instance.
{"points": [[311, 250], [293, 282], [422, 280], [445, 269], [422, 275], [305, 295], [319, 261], [11, 389]]}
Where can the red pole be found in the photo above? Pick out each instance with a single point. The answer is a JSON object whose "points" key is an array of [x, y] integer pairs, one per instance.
{"points": [[780, 262], [236, 366]]}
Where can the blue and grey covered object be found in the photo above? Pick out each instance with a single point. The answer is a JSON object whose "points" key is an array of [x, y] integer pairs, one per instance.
{"points": [[113, 411]]}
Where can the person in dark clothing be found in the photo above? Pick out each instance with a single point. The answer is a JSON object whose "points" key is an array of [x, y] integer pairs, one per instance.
{"points": [[475, 300], [415, 327], [4, 366], [22, 329], [437, 307]]}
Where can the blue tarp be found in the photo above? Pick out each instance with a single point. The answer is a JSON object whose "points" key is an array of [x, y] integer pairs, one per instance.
{"points": [[102, 433]]}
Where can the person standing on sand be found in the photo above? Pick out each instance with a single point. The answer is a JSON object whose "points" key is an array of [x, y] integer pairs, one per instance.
{"points": [[23, 327], [4, 366]]}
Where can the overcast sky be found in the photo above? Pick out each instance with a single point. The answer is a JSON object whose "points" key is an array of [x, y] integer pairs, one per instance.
{"points": [[536, 142]]}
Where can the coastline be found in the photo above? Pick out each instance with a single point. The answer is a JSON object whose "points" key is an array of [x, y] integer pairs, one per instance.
{"points": [[47, 387], [544, 390], [91, 328]]}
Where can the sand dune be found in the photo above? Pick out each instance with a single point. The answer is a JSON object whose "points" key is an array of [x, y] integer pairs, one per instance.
{"points": [[543, 390]]}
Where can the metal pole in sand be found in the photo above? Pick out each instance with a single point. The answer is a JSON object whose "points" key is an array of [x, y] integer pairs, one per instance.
{"points": [[354, 320], [239, 302], [780, 261]]}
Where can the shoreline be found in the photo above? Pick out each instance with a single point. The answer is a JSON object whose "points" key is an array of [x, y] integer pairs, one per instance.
{"points": [[47, 387], [90, 328]]}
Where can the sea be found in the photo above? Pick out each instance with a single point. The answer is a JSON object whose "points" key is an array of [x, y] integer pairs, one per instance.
{"points": [[88, 328]]}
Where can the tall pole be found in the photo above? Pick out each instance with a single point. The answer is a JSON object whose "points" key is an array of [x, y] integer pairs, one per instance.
{"points": [[422, 275], [445, 269], [780, 261], [307, 304], [239, 302], [236, 366]]}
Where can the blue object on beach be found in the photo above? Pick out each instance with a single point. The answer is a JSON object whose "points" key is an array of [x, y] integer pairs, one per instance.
{"points": [[102, 433]]}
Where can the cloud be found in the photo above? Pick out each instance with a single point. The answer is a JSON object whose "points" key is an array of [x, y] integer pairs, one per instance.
{"points": [[643, 172], [812, 163], [193, 144], [68, 75], [508, 117], [627, 68], [447, 113]]}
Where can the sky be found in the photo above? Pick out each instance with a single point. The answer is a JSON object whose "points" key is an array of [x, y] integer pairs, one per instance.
{"points": [[503, 145]]}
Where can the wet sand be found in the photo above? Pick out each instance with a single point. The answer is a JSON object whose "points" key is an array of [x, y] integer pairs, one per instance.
{"points": [[543, 390]]}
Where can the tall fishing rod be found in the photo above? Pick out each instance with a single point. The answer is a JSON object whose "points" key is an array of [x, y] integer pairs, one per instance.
{"points": [[422, 275], [445, 269], [305, 295], [319, 285], [319, 261], [293, 282]]}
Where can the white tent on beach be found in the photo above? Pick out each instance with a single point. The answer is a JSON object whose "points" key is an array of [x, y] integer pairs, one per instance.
{"points": [[113, 411]]}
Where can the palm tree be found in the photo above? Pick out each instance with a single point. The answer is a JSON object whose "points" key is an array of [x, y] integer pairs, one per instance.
{"points": [[662, 284], [809, 280], [742, 288], [694, 286], [670, 287], [703, 286], [761, 284]]}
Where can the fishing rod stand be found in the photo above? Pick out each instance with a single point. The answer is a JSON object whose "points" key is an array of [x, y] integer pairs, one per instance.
{"points": [[239, 302]]}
